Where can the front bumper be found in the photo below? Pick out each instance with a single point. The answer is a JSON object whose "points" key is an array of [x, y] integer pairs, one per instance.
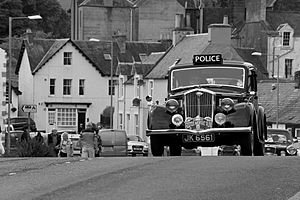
{"points": [[195, 132]]}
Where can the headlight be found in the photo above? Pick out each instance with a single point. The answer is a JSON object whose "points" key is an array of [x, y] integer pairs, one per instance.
{"points": [[177, 119], [172, 105], [291, 150], [227, 104], [146, 146], [220, 118], [129, 147]]}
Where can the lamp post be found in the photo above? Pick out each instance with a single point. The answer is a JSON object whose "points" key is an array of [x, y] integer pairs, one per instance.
{"points": [[277, 82], [10, 19]]}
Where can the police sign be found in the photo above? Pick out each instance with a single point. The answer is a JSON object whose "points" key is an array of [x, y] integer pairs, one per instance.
{"points": [[207, 59], [29, 108]]}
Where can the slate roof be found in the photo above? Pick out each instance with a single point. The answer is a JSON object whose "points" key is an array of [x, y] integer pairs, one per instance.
{"points": [[141, 69], [276, 18], [198, 44], [124, 69], [153, 57], [42, 50], [289, 108], [116, 3]]}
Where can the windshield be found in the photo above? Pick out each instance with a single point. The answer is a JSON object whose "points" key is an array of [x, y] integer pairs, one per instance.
{"points": [[229, 76], [277, 138], [134, 138]]}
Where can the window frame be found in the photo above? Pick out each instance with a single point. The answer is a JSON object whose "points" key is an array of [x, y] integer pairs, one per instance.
{"points": [[136, 124], [52, 86], [81, 87], [286, 38], [67, 58], [288, 68], [67, 88], [66, 117], [121, 123]]}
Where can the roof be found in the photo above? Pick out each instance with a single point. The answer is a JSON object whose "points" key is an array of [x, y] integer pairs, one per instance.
{"points": [[289, 101], [124, 69], [103, 3], [141, 69], [42, 50], [276, 18], [184, 50]]}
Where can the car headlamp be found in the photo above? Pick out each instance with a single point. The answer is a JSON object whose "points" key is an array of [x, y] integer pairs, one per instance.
{"points": [[177, 119], [172, 105], [220, 118], [227, 104], [291, 150]]}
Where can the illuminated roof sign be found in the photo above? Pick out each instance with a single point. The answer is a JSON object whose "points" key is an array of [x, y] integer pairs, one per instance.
{"points": [[207, 59]]}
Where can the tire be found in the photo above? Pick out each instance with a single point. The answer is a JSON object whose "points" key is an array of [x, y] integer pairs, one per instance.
{"points": [[247, 145], [157, 147], [175, 150]]}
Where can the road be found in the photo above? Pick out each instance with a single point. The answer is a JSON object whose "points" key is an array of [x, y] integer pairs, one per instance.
{"points": [[139, 178]]}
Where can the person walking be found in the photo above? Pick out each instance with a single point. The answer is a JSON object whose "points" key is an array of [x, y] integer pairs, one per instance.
{"points": [[39, 138], [54, 142], [66, 149], [2, 149], [25, 137], [88, 141]]}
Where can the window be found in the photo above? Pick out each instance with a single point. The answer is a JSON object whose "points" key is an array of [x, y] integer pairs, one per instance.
{"points": [[107, 56], [52, 86], [81, 86], [121, 87], [111, 87], [288, 68], [286, 39], [51, 116], [67, 86], [66, 117], [136, 121], [297, 132], [128, 123], [121, 121], [151, 87], [67, 58], [137, 88]]}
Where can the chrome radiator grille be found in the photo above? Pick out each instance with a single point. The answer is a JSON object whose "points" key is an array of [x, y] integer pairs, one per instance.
{"points": [[201, 104]]}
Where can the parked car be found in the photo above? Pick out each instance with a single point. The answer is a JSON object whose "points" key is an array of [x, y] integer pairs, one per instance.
{"points": [[114, 142], [229, 150], [15, 136], [137, 146], [19, 123], [279, 142]]}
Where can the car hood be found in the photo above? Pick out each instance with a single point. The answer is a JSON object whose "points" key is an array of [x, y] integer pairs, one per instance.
{"points": [[137, 143]]}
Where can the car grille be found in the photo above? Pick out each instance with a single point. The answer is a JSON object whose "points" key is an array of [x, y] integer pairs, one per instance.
{"points": [[199, 105], [270, 149], [137, 148]]}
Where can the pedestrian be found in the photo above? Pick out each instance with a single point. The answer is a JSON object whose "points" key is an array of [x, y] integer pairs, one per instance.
{"points": [[66, 149], [54, 142], [2, 150], [88, 142], [25, 137], [39, 138]]}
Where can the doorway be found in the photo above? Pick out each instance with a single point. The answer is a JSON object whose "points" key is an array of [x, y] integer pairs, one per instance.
{"points": [[81, 120]]}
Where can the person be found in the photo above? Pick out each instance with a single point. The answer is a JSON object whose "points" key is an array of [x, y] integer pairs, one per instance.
{"points": [[25, 137], [39, 138], [2, 149], [66, 149], [54, 142], [88, 142]]}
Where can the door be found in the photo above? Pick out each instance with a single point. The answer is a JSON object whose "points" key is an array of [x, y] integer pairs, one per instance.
{"points": [[81, 120]]}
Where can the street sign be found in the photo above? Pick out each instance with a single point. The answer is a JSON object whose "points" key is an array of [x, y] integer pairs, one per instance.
{"points": [[29, 108]]}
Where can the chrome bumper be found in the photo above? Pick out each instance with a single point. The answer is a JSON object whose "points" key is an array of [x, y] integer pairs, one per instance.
{"points": [[195, 132]]}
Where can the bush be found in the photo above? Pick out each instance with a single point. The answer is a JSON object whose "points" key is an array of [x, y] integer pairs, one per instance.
{"points": [[33, 148]]}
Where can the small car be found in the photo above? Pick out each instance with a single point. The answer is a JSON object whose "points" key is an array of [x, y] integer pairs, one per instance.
{"points": [[279, 142], [229, 150], [136, 145]]}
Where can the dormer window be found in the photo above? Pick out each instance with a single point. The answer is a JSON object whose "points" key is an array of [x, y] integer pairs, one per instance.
{"points": [[67, 58], [286, 38]]}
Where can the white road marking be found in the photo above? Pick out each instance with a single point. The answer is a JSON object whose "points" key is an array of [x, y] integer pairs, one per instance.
{"points": [[295, 197]]}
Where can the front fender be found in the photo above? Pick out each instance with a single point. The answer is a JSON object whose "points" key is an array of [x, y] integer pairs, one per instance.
{"points": [[159, 118], [243, 115], [262, 124]]}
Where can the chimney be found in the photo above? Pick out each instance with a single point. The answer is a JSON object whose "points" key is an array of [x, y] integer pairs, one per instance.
{"points": [[180, 31], [121, 41], [297, 79], [29, 36], [256, 10], [220, 33]]}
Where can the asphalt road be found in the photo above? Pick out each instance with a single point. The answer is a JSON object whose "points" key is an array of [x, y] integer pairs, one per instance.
{"points": [[139, 178]]}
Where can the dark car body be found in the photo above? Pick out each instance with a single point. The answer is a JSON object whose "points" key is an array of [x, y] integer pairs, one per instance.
{"points": [[279, 142], [19, 123], [209, 104]]}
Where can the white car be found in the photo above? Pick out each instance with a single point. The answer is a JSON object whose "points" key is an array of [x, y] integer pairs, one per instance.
{"points": [[137, 146]]}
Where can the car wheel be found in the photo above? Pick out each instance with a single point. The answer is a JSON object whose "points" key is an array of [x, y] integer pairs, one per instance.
{"points": [[157, 147], [175, 150], [246, 144]]}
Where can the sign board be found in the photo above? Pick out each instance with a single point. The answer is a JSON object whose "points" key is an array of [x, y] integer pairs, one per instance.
{"points": [[29, 108], [207, 59]]}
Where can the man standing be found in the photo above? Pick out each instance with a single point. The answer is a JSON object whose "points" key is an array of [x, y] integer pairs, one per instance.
{"points": [[88, 141], [54, 142]]}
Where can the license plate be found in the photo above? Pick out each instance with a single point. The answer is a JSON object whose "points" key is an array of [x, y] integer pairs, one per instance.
{"points": [[199, 138], [137, 148]]}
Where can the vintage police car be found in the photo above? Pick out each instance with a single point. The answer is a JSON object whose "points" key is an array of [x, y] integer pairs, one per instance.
{"points": [[211, 102]]}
